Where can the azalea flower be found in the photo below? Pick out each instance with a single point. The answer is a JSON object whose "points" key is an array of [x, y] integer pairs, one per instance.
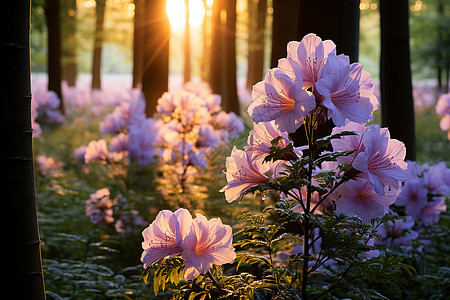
{"points": [[281, 99], [398, 233], [231, 123], [260, 139], [99, 207], [142, 137], [96, 150], [307, 58], [244, 170], [443, 109], [206, 243], [413, 196], [346, 90], [431, 211], [164, 235], [383, 159], [357, 198]]}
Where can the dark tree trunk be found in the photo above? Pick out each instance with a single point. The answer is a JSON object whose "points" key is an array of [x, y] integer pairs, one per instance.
{"points": [[332, 19], [315, 17], [138, 39], [257, 21], [284, 28], [206, 49], [98, 44], [54, 48], [187, 44], [155, 79], [397, 107], [23, 270], [69, 43], [223, 54]]}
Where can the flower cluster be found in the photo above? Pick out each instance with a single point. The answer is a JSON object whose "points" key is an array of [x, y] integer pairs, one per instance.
{"points": [[200, 242], [424, 192], [188, 125], [311, 84], [101, 209], [313, 78], [443, 109]]}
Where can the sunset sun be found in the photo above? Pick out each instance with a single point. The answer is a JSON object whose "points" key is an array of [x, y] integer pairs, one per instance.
{"points": [[176, 13]]}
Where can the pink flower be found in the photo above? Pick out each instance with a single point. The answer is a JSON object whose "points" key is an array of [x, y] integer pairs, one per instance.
{"points": [[164, 235], [399, 233], [443, 109], [244, 170], [96, 150], [349, 142], [206, 243], [346, 90], [413, 196], [357, 198], [231, 122], [431, 211], [281, 99], [260, 139], [307, 58], [99, 207], [383, 159]]}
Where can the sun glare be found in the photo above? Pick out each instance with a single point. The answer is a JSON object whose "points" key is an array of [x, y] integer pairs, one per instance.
{"points": [[176, 11]]}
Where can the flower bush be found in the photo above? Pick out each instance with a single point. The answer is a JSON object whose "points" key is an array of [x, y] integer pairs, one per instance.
{"points": [[338, 206]]}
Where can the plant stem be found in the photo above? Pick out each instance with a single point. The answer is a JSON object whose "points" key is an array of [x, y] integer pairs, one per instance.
{"points": [[214, 281], [309, 128]]}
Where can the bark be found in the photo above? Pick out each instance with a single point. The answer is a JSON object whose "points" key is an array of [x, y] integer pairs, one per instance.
{"points": [[155, 78], [223, 54], [284, 28], [23, 271], [54, 48], [138, 38], [257, 22], [98, 44], [334, 20], [397, 107], [69, 54]]}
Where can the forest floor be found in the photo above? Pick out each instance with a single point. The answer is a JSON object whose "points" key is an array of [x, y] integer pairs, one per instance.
{"points": [[86, 261]]}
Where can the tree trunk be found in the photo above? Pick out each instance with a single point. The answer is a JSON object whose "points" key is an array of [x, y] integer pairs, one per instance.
{"points": [[138, 39], [24, 279], [223, 54], [54, 48], [206, 47], [187, 44], [257, 22], [397, 107], [284, 28], [98, 43], [315, 17], [155, 79], [69, 55]]}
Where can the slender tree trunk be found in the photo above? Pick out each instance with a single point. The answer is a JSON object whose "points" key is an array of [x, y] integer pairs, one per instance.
{"points": [[54, 48], [284, 28], [397, 107], [23, 272], [206, 52], [98, 44], [223, 54], [257, 22], [344, 32], [155, 78], [187, 44], [138, 39], [69, 54]]}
